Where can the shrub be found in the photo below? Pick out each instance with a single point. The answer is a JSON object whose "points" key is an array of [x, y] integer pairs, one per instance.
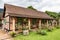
{"points": [[57, 27], [13, 34], [42, 32], [49, 30]]}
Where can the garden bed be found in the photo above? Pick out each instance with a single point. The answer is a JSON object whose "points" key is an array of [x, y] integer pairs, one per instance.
{"points": [[54, 35]]}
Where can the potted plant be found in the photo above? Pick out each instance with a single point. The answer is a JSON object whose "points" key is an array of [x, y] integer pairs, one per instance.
{"points": [[25, 31]]}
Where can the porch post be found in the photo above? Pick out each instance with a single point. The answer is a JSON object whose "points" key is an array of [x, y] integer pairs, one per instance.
{"points": [[40, 24], [56, 23], [47, 24], [59, 22], [13, 24], [53, 23], [29, 23]]}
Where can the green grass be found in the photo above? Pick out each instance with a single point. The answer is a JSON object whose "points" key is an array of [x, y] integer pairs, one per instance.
{"points": [[54, 35]]}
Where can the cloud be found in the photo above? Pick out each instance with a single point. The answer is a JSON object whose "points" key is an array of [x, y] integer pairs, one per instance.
{"points": [[53, 8], [21, 2], [1, 4], [41, 5], [50, 5]]}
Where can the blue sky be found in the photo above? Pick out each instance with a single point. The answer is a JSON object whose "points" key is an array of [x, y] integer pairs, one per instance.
{"points": [[41, 5]]}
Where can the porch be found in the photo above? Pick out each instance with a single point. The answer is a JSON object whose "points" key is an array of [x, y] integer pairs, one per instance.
{"points": [[19, 23]]}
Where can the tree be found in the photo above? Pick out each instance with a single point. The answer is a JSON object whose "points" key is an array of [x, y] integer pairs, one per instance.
{"points": [[52, 14], [59, 14], [31, 7]]}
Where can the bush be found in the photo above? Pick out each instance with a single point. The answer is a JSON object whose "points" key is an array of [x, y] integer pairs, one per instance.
{"points": [[42, 32], [49, 30], [57, 27], [13, 34]]}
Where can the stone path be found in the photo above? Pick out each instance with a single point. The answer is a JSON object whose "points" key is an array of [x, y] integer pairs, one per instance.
{"points": [[4, 35]]}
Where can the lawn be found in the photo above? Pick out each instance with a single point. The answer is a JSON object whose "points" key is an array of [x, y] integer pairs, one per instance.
{"points": [[54, 35]]}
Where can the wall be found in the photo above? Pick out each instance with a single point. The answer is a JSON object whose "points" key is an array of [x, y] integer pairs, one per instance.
{"points": [[6, 22]]}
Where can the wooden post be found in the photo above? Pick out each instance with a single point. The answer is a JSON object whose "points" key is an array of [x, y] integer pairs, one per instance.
{"points": [[53, 23], [40, 24], [47, 24], [13, 24], [56, 23], [29, 23], [59, 22]]}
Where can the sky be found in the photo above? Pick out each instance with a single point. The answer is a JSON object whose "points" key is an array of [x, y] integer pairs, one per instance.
{"points": [[40, 5]]}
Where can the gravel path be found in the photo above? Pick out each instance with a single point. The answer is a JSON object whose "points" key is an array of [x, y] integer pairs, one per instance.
{"points": [[4, 35]]}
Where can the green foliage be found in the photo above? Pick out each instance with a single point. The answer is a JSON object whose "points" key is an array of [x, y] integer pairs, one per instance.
{"points": [[49, 29], [59, 15], [55, 35], [57, 27], [13, 34], [30, 7], [19, 21], [34, 21], [53, 14], [42, 32]]}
